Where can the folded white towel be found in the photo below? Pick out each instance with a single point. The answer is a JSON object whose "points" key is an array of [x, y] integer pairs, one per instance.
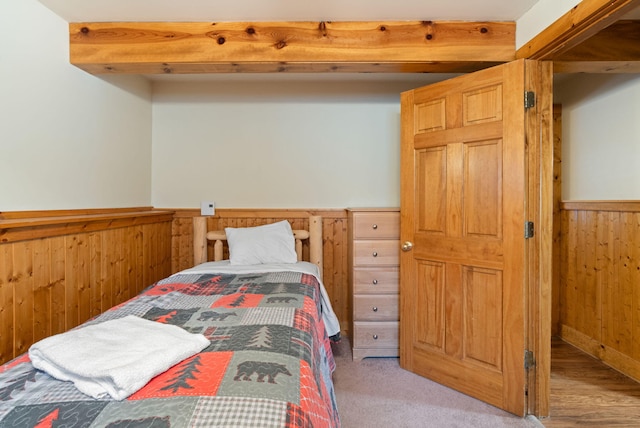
{"points": [[116, 357]]}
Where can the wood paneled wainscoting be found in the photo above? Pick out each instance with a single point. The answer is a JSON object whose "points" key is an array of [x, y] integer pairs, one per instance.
{"points": [[335, 240], [60, 268], [599, 284]]}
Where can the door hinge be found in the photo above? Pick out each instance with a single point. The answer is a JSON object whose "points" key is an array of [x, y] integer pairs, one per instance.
{"points": [[528, 229], [529, 99], [529, 361]]}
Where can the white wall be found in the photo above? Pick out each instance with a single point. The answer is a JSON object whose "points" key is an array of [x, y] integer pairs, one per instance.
{"points": [[72, 140], [277, 144], [67, 139], [600, 136]]}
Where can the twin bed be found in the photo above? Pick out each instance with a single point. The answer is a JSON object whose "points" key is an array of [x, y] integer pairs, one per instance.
{"points": [[255, 351]]}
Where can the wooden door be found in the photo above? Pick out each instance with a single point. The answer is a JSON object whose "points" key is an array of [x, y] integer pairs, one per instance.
{"points": [[464, 204]]}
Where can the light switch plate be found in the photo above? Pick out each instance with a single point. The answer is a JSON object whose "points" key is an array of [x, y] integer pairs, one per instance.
{"points": [[207, 208]]}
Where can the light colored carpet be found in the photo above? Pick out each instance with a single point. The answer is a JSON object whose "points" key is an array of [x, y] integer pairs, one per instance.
{"points": [[376, 392]]}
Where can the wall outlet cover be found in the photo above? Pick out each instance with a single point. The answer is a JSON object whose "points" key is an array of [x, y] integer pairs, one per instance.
{"points": [[207, 208]]}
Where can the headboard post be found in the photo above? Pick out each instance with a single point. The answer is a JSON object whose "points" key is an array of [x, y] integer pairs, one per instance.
{"points": [[199, 240], [315, 242]]}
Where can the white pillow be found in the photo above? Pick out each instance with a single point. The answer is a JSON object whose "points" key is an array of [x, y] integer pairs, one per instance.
{"points": [[271, 243]]}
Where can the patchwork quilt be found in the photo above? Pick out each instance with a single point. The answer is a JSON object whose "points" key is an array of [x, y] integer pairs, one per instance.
{"points": [[269, 363]]}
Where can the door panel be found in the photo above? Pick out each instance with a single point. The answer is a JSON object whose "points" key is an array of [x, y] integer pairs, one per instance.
{"points": [[482, 290], [463, 198], [429, 329], [482, 188]]}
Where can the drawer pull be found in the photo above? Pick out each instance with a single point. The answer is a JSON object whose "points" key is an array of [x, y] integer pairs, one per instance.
{"points": [[375, 282], [374, 227], [375, 337], [374, 309], [375, 254]]}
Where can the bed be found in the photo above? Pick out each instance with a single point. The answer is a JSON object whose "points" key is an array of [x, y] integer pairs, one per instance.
{"points": [[245, 342]]}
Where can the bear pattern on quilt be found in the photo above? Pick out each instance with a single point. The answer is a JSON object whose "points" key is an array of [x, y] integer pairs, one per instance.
{"points": [[269, 361]]}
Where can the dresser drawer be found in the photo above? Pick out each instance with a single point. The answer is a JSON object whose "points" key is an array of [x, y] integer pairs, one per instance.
{"points": [[376, 253], [376, 225], [375, 335], [375, 307], [371, 280]]}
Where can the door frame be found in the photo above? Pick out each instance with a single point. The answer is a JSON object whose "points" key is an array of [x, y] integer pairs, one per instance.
{"points": [[539, 248]]}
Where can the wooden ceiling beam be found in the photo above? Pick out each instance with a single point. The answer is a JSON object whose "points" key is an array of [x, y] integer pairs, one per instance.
{"points": [[227, 47]]}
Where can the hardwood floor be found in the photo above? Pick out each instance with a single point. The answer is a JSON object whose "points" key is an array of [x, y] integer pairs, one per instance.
{"points": [[585, 392]]}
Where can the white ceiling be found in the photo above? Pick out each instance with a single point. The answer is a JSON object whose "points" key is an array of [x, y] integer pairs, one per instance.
{"points": [[288, 10]]}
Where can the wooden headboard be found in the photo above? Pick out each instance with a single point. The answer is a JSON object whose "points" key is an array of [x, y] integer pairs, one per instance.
{"points": [[201, 238]]}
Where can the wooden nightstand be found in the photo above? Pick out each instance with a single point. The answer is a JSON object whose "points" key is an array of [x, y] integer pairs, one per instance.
{"points": [[374, 257]]}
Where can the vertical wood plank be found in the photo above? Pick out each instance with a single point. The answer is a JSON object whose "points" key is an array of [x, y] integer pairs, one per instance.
{"points": [[632, 234], [634, 239], [6, 302], [97, 276], [58, 284], [107, 262], [329, 273], [339, 290], [83, 286], [157, 249], [121, 271], [132, 271], [41, 289], [592, 319], [23, 289], [138, 257], [617, 296], [182, 244], [120, 291], [72, 277], [557, 219], [126, 270], [166, 253], [146, 257], [570, 301]]}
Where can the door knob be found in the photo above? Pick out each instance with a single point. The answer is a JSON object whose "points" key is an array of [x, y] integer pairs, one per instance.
{"points": [[407, 246]]}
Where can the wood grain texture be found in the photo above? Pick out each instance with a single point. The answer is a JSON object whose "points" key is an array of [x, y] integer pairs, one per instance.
{"points": [[585, 392], [482, 246], [557, 198], [227, 47], [373, 250], [52, 280], [618, 42], [577, 25], [599, 307], [334, 236], [542, 191], [615, 49]]}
